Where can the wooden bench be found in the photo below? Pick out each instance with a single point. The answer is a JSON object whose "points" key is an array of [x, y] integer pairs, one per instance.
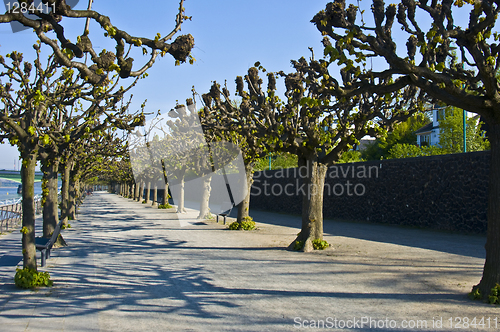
{"points": [[45, 244]]}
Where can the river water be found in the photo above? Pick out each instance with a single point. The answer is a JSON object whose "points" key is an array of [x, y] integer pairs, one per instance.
{"points": [[10, 191]]}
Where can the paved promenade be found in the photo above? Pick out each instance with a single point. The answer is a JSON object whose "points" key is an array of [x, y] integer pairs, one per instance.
{"points": [[130, 267]]}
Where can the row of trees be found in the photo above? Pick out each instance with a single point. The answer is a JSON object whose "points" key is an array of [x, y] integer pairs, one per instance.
{"points": [[169, 154], [65, 109], [311, 123], [320, 117]]}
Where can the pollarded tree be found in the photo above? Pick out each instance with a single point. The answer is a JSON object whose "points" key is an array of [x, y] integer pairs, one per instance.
{"points": [[165, 151], [77, 110], [184, 152], [50, 18], [214, 116], [181, 147], [314, 125], [319, 127], [80, 123], [454, 59], [147, 170], [23, 121], [34, 105], [24, 116], [140, 159], [199, 163]]}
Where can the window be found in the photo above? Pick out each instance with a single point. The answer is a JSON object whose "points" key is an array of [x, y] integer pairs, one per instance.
{"points": [[425, 140]]}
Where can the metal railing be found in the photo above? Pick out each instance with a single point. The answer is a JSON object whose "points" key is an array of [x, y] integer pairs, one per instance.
{"points": [[11, 212]]}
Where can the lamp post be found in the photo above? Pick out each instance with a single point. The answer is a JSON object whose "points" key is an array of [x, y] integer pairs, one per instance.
{"points": [[465, 133]]}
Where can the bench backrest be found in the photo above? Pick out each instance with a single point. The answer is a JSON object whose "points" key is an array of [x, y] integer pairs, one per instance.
{"points": [[55, 234]]}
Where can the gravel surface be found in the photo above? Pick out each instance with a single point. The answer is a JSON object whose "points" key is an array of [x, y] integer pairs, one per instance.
{"points": [[131, 267]]}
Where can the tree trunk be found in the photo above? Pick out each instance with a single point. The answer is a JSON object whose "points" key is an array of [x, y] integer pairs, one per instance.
{"points": [[141, 191], [50, 209], [180, 177], [28, 204], [74, 195], [180, 204], [205, 197], [66, 174], [244, 206], [136, 191], [72, 200], [155, 195], [491, 271], [148, 192], [165, 195], [312, 189]]}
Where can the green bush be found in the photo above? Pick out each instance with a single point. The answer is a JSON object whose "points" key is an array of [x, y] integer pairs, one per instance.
{"points": [[234, 226], [29, 278], [319, 244], [410, 151], [247, 224], [298, 245], [475, 294], [144, 202], [164, 206], [209, 216], [493, 297], [64, 226]]}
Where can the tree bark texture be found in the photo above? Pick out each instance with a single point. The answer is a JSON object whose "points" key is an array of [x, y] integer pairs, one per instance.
{"points": [[491, 271], [50, 208], [136, 191], [155, 195], [73, 192], [141, 190], [312, 188], [244, 206], [65, 187], [148, 192], [180, 204], [28, 204], [205, 197], [165, 195]]}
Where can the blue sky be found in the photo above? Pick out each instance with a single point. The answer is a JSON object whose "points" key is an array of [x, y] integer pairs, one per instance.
{"points": [[230, 36]]}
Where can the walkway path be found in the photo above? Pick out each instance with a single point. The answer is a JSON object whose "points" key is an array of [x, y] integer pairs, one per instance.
{"points": [[129, 267]]}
